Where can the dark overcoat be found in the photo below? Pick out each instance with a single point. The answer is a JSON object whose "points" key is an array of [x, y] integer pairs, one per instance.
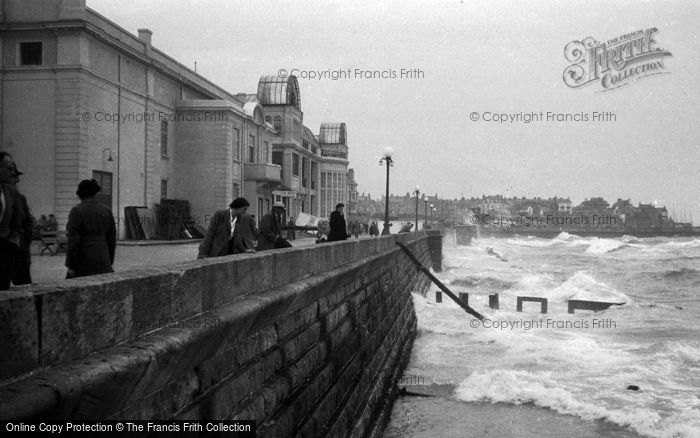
{"points": [[269, 232], [92, 239], [339, 229], [216, 241]]}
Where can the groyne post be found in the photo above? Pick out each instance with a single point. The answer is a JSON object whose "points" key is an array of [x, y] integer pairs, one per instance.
{"points": [[542, 301], [493, 301]]}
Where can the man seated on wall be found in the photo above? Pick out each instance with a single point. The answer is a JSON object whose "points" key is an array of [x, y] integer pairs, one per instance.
{"points": [[230, 232]]}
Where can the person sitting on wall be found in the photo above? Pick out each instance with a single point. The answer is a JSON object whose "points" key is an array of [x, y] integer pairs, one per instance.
{"points": [[269, 235], [339, 229], [406, 228], [230, 232], [92, 235]]}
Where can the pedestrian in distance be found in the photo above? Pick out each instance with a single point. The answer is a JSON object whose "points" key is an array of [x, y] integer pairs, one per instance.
{"points": [[230, 232], [92, 235], [52, 224]]}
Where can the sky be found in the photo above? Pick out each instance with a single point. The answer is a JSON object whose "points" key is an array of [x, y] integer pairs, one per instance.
{"points": [[484, 57]]}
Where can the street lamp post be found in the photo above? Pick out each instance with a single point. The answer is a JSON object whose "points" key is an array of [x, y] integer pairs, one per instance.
{"points": [[425, 218], [433, 215], [417, 192], [388, 152]]}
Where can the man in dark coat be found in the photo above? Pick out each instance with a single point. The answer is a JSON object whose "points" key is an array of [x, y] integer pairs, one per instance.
{"points": [[230, 231], [270, 228], [22, 272], [15, 224], [92, 234], [339, 229]]}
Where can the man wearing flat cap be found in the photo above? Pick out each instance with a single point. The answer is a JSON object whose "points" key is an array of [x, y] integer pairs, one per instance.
{"points": [[230, 231], [92, 234], [271, 229]]}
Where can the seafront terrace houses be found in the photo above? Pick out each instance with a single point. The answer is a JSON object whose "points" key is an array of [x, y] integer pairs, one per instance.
{"points": [[83, 98]]}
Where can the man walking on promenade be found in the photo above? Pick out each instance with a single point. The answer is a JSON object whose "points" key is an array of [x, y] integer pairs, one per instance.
{"points": [[230, 232], [16, 227], [269, 236], [339, 229]]}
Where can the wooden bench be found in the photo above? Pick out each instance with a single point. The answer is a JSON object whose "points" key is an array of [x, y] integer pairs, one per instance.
{"points": [[53, 242]]}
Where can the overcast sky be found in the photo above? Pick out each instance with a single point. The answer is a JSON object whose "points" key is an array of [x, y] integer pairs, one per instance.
{"points": [[476, 56]]}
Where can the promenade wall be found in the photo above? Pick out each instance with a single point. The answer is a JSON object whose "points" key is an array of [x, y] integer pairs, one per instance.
{"points": [[303, 340]]}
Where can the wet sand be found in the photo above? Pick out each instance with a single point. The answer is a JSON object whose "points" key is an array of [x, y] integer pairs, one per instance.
{"points": [[441, 415]]}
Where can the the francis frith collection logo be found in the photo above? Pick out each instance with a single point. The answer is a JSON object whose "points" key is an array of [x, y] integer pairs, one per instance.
{"points": [[614, 63]]}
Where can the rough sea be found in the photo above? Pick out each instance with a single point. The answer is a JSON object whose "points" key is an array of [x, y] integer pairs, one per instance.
{"points": [[636, 365]]}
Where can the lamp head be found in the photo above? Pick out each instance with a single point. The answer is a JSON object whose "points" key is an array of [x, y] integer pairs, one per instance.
{"points": [[388, 151]]}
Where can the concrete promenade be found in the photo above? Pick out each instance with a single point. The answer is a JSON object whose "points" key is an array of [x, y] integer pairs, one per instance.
{"points": [[130, 255]]}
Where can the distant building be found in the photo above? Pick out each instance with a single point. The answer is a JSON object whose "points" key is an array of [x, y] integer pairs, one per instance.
{"points": [[352, 192], [333, 141], [592, 206]]}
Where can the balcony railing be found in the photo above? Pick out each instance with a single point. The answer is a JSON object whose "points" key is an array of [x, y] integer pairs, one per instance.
{"points": [[334, 154], [262, 172]]}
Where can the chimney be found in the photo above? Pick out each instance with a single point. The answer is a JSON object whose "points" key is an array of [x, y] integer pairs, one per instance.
{"points": [[145, 36]]}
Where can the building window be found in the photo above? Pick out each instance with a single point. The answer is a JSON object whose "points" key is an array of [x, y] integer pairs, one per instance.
{"points": [[303, 172], [268, 120], [251, 149], [265, 153], [278, 124], [297, 128], [295, 164], [164, 139], [236, 190], [31, 53], [236, 144], [278, 158], [104, 180], [163, 189]]}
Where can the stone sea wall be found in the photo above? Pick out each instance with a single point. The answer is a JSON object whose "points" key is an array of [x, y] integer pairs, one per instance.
{"points": [[303, 340]]}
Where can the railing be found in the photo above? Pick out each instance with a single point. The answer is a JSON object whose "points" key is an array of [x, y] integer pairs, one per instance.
{"points": [[262, 172], [334, 154]]}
